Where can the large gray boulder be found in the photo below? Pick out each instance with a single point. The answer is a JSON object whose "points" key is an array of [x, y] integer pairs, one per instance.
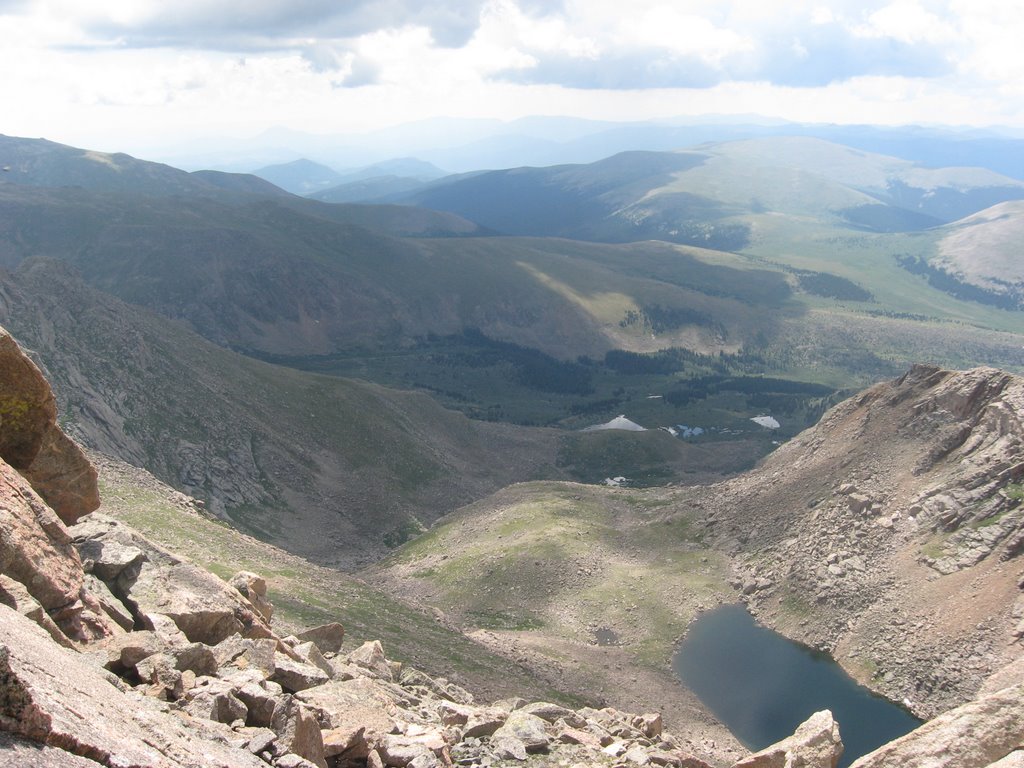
{"points": [[814, 744], [53, 696], [974, 735]]}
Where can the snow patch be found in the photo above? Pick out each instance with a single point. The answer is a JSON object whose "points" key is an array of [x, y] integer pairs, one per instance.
{"points": [[619, 422]]}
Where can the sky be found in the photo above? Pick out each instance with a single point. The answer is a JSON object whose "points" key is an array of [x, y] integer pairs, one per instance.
{"points": [[134, 74]]}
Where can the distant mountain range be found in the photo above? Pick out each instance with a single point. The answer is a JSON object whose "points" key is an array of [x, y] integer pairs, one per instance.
{"points": [[463, 145], [783, 284]]}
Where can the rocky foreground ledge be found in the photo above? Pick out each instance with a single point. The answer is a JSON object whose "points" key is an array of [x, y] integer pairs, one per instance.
{"points": [[116, 652]]}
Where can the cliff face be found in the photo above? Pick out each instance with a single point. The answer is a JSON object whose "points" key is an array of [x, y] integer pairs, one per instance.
{"points": [[890, 534]]}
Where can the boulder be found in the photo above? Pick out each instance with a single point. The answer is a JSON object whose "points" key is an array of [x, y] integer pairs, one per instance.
{"points": [[63, 476], [549, 712], [124, 652], [254, 589], [350, 705], [974, 735], [35, 548], [327, 637], [18, 753], [202, 606], [526, 728], [216, 702], [164, 680], [43, 687], [370, 656], [27, 405], [310, 654], [33, 444], [814, 744], [246, 653], [260, 700], [14, 595], [294, 676], [298, 731]]}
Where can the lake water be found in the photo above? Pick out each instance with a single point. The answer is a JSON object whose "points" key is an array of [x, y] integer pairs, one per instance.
{"points": [[762, 686]]}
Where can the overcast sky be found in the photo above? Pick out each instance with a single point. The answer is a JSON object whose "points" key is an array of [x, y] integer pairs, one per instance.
{"points": [[130, 74]]}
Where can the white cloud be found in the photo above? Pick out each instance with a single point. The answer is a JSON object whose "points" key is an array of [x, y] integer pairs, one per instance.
{"points": [[908, 22], [136, 68]]}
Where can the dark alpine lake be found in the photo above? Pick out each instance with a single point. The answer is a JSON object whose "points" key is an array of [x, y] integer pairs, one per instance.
{"points": [[762, 686]]}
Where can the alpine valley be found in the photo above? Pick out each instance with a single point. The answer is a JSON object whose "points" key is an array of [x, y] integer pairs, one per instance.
{"points": [[377, 466]]}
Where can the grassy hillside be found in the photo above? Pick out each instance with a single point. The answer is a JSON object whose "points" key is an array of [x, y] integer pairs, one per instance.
{"points": [[305, 594], [336, 469], [571, 573]]}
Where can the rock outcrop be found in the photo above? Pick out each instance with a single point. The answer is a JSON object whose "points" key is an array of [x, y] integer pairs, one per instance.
{"points": [[32, 443], [890, 535], [986, 732]]}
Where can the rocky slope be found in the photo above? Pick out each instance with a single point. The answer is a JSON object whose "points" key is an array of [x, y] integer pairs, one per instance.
{"points": [[890, 535], [116, 652]]}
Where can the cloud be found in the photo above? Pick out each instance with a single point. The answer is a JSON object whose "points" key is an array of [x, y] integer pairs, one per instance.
{"points": [[667, 49], [621, 70], [361, 71], [250, 25]]}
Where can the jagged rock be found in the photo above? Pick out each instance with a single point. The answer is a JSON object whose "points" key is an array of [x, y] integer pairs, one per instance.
{"points": [[583, 738], [298, 731], [35, 548], [354, 709], [650, 725], [27, 405], [260, 701], [971, 736], [195, 657], [202, 606], [506, 747], [411, 677], [370, 656], [327, 637], [216, 702], [32, 443], [14, 595], [401, 750], [258, 739], [63, 477], [164, 679], [637, 756], [291, 760], [549, 712], [254, 589], [294, 676], [310, 654], [18, 753], [815, 744], [110, 605], [107, 558], [526, 728], [124, 652], [246, 653], [43, 688], [484, 722]]}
